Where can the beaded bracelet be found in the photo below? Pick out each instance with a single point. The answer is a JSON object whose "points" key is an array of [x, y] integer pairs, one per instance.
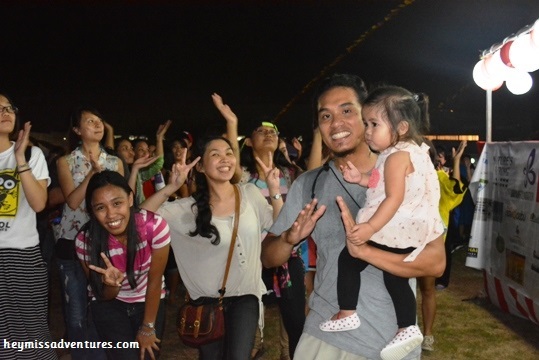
{"points": [[20, 172], [146, 333]]}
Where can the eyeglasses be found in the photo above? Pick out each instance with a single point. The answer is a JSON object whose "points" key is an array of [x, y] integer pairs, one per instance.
{"points": [[265, 132], [9, 109]]}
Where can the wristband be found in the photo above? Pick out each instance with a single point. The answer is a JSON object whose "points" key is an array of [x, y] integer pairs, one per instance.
{"points": [[28, 169], [146, 333]]}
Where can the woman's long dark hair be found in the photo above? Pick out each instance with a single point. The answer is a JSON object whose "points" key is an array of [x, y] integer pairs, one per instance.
{"points": [[97, 238], [204, 227]]}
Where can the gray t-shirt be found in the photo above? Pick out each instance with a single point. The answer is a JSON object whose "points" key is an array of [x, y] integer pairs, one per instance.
{"points": [[375, 308]]}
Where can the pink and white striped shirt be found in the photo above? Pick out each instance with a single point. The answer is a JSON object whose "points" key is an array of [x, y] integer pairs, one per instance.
{"points": [[118, 256]]}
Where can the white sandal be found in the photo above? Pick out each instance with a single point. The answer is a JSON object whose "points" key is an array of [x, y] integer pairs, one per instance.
{"points": [[347, 323], [403, 343]]}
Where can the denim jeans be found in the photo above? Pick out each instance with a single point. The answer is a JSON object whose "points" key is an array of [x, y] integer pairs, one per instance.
{"points": [[79, 324], [117, 321], [241, 321]]}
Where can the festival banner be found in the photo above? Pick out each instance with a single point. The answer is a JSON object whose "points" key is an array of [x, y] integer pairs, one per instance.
{"points": [[505, 231]]}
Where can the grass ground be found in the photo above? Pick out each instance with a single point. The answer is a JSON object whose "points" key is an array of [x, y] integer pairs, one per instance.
{"points": [[467, 326]]}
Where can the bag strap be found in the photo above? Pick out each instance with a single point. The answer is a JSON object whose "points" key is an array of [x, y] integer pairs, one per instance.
{"points": [[232, 242]]}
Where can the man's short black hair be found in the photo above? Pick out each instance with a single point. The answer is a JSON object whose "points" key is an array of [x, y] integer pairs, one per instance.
{"points": [[339, 80]]}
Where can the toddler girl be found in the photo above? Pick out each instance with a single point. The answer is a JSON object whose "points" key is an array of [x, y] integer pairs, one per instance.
{"points": [[400, 214]]}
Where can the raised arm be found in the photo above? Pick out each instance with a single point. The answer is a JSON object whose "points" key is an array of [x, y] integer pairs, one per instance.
{"points": [[457, 155], [160, 137], [231, 131], [138, 164], [109, 135], [272, 179], [315, 156], [177, 178]]}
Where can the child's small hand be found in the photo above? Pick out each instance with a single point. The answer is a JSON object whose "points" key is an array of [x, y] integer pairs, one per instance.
{"points": [[350, 173], [359, 234]]}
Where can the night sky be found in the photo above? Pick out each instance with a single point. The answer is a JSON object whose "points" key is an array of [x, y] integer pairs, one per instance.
{"points": [[141, 63]]}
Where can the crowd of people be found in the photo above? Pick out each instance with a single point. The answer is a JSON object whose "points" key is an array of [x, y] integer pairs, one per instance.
{"points": [[126, 223]]}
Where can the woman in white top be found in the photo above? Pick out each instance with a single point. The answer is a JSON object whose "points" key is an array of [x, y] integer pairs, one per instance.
{"points": [[23, 275], [201, 228]]}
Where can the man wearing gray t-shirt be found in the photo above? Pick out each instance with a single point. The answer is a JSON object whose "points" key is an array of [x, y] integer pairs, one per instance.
{"points": [[338, 108]]}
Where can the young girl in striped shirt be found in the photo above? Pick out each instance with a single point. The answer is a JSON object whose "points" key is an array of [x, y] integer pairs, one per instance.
{"points": [[124, 252]]}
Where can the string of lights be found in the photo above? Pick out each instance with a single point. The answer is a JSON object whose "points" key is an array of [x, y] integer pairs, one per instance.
{"points": [[510, 61], [391, 15]]}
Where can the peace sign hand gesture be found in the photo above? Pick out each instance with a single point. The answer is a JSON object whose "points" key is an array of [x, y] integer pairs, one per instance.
{"points": [[271, 173], [111, 276], [180, 170]]}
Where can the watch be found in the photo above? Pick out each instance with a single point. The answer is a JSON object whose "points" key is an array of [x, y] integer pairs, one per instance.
{"points": [[149, 325], [276, 196]]}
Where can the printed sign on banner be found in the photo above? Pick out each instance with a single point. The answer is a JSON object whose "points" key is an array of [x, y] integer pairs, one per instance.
{"points": [[505, 231]]}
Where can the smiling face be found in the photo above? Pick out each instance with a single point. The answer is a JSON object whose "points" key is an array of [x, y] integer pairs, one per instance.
{"points": [[7, 119], [90, 127], [141, 149], [339, 120], [177, 150], [111, 206], [218, 162], [126, 152]]}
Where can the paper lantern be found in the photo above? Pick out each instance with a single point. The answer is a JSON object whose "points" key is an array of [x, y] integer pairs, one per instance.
{"points": [[504, 53], [534, 34], [519, 82], [495, 67], [483, 79], [523, 54]]}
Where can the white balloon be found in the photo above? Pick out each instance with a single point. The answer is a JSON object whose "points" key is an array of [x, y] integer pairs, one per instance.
{"points": [[483, 79], [534, 34], [524, 55], [519, 82], [495, 67]]}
